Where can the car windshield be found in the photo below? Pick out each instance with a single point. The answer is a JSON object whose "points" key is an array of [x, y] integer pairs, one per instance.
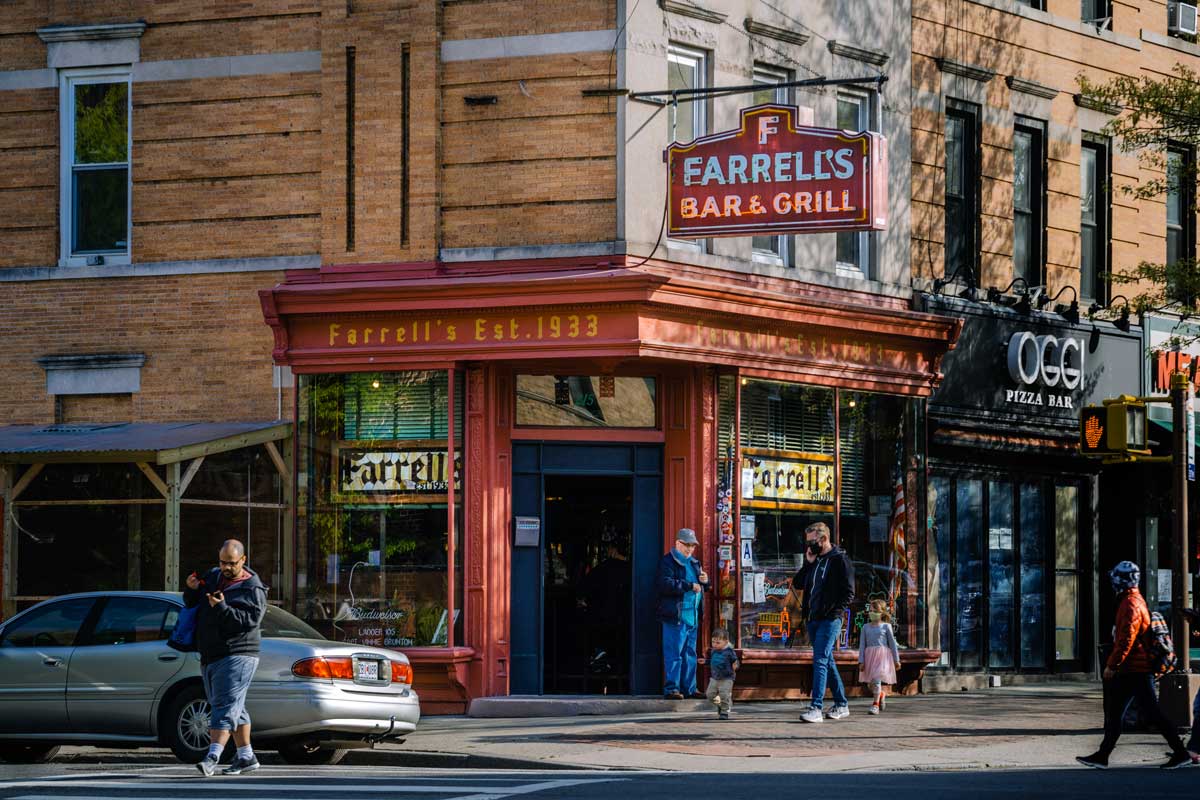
{"points": [[279, 624]]}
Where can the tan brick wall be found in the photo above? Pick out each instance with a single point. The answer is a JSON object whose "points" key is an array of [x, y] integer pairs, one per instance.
{"points": [[208, 352], [1027, 48]]}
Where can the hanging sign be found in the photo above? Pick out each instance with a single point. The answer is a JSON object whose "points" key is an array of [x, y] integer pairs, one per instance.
{"points": [[788, 480], [772, 176]]}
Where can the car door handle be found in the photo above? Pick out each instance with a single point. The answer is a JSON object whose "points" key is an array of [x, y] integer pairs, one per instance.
{"points": [[50, 661], [168, 656]]}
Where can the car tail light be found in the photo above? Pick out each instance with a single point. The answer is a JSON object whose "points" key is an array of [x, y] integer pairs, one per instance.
{"points": [[326, 668], [401, 673]]}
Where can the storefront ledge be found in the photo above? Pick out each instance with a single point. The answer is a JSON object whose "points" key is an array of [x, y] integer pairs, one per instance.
{"points": [[517, 706], [440, 678], [805, 656]]}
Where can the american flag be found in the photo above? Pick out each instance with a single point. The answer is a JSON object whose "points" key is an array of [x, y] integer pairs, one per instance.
{"points": [[897, 552]]}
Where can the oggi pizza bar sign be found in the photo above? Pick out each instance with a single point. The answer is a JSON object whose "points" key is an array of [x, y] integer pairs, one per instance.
{"points": [[770, 176]]}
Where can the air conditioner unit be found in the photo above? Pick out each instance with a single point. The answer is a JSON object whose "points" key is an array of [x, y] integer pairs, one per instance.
{"points": [[1181, 18]]}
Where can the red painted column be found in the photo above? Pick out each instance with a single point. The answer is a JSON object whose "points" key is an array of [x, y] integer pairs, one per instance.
{"points": [[475, 601]]}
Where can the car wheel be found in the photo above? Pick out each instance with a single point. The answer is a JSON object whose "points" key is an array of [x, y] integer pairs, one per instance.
{"points": [[185, 725], [309, 752], [27, 753]]}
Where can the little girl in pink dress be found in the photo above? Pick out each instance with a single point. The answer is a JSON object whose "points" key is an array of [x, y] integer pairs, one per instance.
{"points": [[878, 655]]}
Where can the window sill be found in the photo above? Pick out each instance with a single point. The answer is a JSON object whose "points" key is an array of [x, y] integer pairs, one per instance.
{"points": [[1063, 23], [110, 260], [804, 655], [1171, 42]]}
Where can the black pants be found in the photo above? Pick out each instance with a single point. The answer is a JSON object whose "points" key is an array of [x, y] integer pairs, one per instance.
{"points": [[1118, 692]]}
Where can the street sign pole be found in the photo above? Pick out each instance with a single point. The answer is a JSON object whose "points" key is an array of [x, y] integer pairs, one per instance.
{"points": [[1183, 465]]}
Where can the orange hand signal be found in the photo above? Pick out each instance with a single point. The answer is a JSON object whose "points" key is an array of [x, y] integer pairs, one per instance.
{"points": [[1093, 432]]}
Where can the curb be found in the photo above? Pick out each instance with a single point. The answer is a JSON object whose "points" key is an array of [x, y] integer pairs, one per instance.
{"points": [[427, 759]]}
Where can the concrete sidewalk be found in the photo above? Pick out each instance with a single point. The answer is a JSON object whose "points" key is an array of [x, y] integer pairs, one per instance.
{"points": [[1028, 726]]}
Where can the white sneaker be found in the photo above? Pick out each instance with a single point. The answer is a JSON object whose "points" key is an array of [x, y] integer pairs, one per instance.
{"points": [[813, 714], [839, 712], [873, 710]]}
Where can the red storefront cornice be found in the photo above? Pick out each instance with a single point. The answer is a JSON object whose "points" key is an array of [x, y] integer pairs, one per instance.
{"points": [[654, 309]]}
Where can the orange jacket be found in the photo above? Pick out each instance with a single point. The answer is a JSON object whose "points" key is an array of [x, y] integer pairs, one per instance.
{"points": [[1133, 620]]}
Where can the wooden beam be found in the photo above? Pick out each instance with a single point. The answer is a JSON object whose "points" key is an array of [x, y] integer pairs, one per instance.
{"points": [[152, 476], [23, 482], [80, 457], [192, 469], [233, 504], [281, 466], [271, 434], [172, 530], [123, 502]]}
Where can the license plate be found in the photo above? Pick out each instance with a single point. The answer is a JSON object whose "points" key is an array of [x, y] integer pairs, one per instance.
{"points": [[368, 670]]}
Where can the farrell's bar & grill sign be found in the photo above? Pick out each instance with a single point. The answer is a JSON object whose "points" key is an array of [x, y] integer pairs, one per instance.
{"points": [[770, 176]]}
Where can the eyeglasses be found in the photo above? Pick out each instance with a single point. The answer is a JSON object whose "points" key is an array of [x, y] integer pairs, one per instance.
{"points": [[688, 544], [233, 563]]}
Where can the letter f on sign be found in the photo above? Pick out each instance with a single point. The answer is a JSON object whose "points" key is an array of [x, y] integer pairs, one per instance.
{"points": [[767, 126]]}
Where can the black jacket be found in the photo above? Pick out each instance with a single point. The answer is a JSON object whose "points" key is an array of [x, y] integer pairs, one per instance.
{"points": [[231, 627], [828, 585], [672, 584]]}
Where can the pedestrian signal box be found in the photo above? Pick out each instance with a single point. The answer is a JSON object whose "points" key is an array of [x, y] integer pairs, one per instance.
{"points": [[1118, 426]]}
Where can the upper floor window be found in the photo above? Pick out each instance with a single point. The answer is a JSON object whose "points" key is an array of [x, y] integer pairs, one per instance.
{"points": [[1181, 217], [855, 249], [687, 69], [95, 185], [1094, 209], [771, 249], [1029, 197], [1097, 13], [962, 191]]}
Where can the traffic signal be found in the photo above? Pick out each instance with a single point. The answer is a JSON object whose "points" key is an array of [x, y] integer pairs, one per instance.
{"points": [[1119, 426]]}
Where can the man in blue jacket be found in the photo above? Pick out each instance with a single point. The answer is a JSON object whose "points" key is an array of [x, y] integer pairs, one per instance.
{"points": [[680, 581], [232, 601]]}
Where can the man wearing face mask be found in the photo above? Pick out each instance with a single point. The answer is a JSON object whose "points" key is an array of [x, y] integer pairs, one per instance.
{"points": [[827, 580], [1127, 673]]}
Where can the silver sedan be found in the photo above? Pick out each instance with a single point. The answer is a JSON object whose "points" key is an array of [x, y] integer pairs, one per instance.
{"points": [[95, 669]]}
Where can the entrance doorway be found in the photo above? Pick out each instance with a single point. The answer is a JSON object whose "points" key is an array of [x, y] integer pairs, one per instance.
{"points": [[588, 584], [582, 605]]}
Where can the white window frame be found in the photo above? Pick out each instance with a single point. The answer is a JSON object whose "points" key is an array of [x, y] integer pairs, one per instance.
{"points": [[868, 108], [67, 81], [697, 61], [779, 254]]}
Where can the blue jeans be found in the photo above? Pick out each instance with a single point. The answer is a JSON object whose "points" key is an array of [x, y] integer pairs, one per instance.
{"points": [[226, 682], [679, 657], [823, 633]]}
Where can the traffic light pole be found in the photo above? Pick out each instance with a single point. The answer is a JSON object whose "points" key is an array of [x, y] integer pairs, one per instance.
{"points": [[1179, 560]]}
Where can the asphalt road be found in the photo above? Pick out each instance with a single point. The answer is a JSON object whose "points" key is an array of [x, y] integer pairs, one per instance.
{"points": [[133, 781]]}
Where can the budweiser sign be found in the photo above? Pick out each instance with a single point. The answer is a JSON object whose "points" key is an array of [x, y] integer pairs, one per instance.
{"points": [[771, 176]]}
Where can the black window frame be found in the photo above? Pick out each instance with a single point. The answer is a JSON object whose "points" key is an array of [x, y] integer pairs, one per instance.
{"points": [[1102, 248], [1187, 226], [1036, 130], [964, 221]]}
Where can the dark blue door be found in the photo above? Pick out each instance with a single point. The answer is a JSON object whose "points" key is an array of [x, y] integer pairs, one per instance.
{"points": [[537, 608]]}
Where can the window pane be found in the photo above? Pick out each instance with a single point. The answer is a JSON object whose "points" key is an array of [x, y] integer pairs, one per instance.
{"points": [[126, 620], [940, 568], [1022, 240], [101, 123], [54, 625], [1066, 527], [575, 401], [683, 72], [969, 625], [1033, 577], [1174, 244], [1000, 574], [1087, 261], [101, 210], [1022, 171], [1066, 615], [849, 248], [849, 113], [1174, 190], [954, 156], [1087, 185]]}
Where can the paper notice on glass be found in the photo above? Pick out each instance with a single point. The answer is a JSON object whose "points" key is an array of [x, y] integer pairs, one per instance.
{"points": [[747, 587], [878, 528], [760, 587], [725, 552], [747, 526], [1164, 586], [748, 483], [747, 552]]}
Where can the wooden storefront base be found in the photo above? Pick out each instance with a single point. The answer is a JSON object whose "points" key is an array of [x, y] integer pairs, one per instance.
{"points": [[440, 678], [787, 675]]}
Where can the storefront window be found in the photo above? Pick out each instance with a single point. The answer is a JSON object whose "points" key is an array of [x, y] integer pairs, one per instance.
{"points": [[581, 401], [787, 482], [87, 527], [374, 508], [1033, 577], [1066, 573], [969, 572], [1001, 568], [875, 451]]}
